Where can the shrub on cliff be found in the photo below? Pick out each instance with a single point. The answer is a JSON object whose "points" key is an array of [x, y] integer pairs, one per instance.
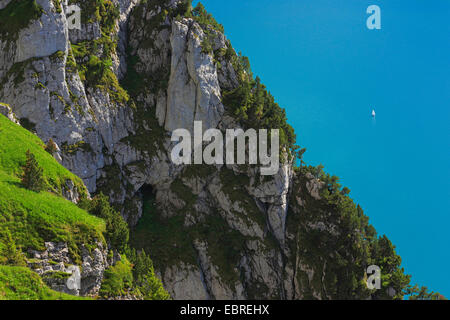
{"points": [[117, 232], [145, 279], [9, 253], [118, 279], [32, 177], [51, 147]]}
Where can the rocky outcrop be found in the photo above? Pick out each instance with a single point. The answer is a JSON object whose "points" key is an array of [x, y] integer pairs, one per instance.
{"points": [[7, 112], [42, 37], [193, 92], [60, 273], [185, 282], [4, 3]]}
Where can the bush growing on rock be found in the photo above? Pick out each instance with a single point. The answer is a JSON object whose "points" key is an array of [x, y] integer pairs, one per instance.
{"points": [[117, 232], [9, 253], [32, 177], [118, 279], [51, 147]]}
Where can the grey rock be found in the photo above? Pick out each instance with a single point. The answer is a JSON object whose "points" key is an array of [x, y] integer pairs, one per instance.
{"points": [[193, 92], [55, 260], [7, 112], [43, 37], [4, 3]]}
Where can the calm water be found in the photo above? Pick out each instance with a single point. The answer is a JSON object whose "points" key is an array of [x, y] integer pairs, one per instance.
{"points": [[329, 71]]}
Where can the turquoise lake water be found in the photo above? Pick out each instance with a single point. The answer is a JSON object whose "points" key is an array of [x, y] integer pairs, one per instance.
{"points": [[329, 71]]}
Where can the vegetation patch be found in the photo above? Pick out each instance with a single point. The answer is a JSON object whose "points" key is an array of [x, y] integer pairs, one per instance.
{"points": [[32, 217], [184, 193], [164, 238], [225, 246], [234, 186], [170, 242], [74, 148], [57, 5], [337, 242], [112, 182], [94, 65], [205, 19], [14, 144], [17, 15], [20, 283], [118, 279], [116, 232], [57, 275], [93, 58]]}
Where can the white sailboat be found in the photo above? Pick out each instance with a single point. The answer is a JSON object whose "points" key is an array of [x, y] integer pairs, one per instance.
{"points": [[373, 114]]}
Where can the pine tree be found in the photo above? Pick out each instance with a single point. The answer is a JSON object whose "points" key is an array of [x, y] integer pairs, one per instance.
{"points": [[9, 254], [422, 293], [145, 279], [51, 146], [117, 232], [32, 177]]}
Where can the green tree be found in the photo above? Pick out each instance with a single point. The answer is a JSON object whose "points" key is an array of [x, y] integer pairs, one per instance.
{"points": [[422, 293], [145, 279], [32, 177], [299, 154], [51, 146], [204, 18], [117, 232], [9, 253], [118, 279]]}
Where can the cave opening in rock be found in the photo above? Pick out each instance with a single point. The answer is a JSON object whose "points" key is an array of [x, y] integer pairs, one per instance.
{"points": [[146, 191], [144, 234], [147, 195]]}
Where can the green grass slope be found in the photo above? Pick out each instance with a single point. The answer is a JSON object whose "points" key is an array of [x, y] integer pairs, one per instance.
{"points": [[19, 283], [33, 218], [15, 141], [28, 219]]}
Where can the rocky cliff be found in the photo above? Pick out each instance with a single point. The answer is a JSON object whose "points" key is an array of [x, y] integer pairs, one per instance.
{"points": [[110, 95]]}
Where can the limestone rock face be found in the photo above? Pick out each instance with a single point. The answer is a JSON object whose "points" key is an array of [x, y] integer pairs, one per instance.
{"points": [[7, 112], [93, 267], [4, 3], [54, 99], [44, 36], [185, 282], [61, 274], [193, 91]]}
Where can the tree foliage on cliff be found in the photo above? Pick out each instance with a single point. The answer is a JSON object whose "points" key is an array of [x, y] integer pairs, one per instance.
{"points": [[32, 177], [338, 240], [145, 280], [204, 18], [256, 108], [250, 103], [117, 232], [134, 273]]}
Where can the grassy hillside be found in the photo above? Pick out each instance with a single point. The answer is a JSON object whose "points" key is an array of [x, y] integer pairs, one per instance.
{"points": [[19, 283], [33, 218], [15, 141], [28, 219]]}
